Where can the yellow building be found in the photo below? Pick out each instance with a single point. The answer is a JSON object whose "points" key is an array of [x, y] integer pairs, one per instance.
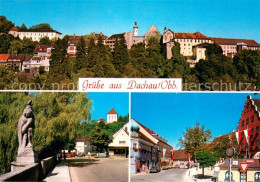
{"points": [[251, 175]]}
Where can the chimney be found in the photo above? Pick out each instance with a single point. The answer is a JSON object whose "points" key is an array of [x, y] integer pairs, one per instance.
{"points": [[164, 30]]}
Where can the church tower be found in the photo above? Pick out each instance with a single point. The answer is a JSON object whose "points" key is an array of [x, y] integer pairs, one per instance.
{"points": [[135, 27]]}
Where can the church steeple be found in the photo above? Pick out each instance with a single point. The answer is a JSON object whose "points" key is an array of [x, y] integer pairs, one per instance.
{"points": [[135, 27]]}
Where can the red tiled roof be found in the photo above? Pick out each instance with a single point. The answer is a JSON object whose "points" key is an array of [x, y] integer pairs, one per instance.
{"points": [[257, 103], [180, 154], [196, 35], [221, 137], [224, 41], [112, 111], [41, 48], [101, 119], [4, 57], [14, 29]]}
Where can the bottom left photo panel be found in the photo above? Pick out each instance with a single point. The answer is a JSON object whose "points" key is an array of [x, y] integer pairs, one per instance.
{"points": [[64, 136]]}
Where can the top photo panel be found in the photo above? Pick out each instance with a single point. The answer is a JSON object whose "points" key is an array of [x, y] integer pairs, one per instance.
{"points": [[212, 45]]}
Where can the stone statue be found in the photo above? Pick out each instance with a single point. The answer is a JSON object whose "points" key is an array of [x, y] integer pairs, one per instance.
{"points": [[26, 153], [25, 125]]}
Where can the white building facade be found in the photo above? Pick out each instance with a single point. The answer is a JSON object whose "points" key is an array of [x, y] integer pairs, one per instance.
{"points": [[112, 116], [35, 35], [120, 144]]}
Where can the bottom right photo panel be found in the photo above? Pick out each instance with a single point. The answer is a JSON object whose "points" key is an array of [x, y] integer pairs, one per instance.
{"points": [[185, 137]]}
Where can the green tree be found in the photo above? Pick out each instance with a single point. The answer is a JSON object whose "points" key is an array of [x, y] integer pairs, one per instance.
{"points": [[247, 64], [120, 54], [45, 41], [206, 159], [5, 40], [81, 57], [5, 25], [99, 139], [60, 67], [213, 49], [194, 139], [27, 46], [42, 26], [16, 47]]}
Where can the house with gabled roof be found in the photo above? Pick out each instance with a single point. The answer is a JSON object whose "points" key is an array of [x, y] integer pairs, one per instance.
{"points": [[147, 148], [120, 143]]}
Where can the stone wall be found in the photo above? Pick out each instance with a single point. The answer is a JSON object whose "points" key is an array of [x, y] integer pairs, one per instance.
{"points": [[32, 172]]}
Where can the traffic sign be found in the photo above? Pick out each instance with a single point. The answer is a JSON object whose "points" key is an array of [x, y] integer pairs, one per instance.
{"points": [[244, 166]]}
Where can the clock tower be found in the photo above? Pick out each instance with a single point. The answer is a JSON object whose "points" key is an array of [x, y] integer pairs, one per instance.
{"points": [[135, 27]]}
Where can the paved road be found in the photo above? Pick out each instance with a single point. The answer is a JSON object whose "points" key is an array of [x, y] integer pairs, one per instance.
{"points": [[98, 170], [171, 175]]}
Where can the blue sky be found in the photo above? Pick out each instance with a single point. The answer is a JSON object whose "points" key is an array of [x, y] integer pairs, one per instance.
{"points": [[218, 18], [171, 114], [103, 102]]}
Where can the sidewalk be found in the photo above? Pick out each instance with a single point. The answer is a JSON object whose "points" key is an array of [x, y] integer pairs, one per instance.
{"points": [[60, 173], [191, 174]]}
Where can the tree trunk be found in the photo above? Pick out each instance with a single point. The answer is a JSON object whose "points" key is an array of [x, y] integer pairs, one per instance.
{"points": [[203, 172]]}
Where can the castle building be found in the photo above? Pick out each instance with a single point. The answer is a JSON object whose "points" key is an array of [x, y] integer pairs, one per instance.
{"points": [[112, 116], [187, 42], [35, 35], [232, 46]]}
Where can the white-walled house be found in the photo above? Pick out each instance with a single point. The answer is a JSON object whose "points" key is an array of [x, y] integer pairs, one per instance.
{"points": [[83, 145], [120, 144]]}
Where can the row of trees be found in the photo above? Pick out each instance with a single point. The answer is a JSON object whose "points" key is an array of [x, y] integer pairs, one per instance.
{"points": [[57, 116]]}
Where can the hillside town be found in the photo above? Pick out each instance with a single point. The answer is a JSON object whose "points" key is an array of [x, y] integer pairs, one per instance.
{"points": [[192, 45]]}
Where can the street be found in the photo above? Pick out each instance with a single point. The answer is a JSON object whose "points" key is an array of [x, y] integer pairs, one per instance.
{"points": [[98, 169], [172, 175]]}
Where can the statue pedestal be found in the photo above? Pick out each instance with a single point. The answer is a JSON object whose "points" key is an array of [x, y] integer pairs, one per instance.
{"points": [[24, 158]]}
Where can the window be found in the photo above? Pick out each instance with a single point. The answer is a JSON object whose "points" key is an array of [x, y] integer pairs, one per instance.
{"points": [[252, 119], [252, 131], [121, 142], [243, 123], [247, 120], [257, 129]]}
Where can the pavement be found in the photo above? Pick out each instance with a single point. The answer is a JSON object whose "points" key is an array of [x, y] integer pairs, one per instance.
{"points": [[173, 175], [191, 175], [60, 173], [98, 169]]}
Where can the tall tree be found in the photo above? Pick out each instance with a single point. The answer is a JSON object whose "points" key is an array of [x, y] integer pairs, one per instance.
{"points": [[194, 139], [120, 54], [81, 57], [99, 139], [60, 67]]}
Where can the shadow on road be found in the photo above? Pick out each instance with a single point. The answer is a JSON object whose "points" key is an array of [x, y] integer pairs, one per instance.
{"points": [[81, 162]]}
